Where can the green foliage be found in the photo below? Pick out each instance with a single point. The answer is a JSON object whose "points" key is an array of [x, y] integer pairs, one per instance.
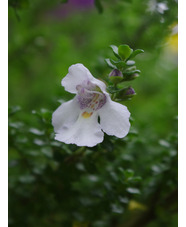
{"points": [[19, 4], [64, 1], [127, 182], [62, 183], [123, 70], [98, 5]]}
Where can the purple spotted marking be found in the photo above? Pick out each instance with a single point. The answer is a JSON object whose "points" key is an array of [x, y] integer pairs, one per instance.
{"points": [[89, 98]]}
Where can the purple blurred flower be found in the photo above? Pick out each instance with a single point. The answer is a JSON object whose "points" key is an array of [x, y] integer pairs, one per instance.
{"points": [[67, 9]]}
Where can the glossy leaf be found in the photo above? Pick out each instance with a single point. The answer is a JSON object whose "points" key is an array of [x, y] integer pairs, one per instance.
{"points": [[108, 61], [130, 63], [124, 51], [132, 72], [119, 64], [136, 52], [115, 50]]}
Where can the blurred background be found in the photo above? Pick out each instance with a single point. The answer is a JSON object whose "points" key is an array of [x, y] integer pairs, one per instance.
{"points": [[45, 38]]}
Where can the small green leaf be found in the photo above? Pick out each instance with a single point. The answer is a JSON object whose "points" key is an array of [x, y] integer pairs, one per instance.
{"points": [[129, 173], [119, 64], [39, 142], [47, 151], [53, 164], [118, 209], [164, 143], [130, 63], [132, 72], [22, 139], [108, 61], [136, 52], [112, 89], [16, 125], [13, 109], [36, 131], [133, 190], [27, 179], [124, 51], [123, 199], [115, 50], [121, 170], [43, 114], [136, 179]]}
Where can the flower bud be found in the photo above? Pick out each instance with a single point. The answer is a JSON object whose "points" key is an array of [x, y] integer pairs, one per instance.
{"points": [[115, 73], [130, 91], [126, 93], [134, 76], [131, 76], [115, 76]]}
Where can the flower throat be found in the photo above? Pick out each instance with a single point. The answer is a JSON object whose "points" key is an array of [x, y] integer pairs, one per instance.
{"points": [[90, 98]]}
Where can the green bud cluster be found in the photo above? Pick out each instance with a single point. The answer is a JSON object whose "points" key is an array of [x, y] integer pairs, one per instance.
{"points": [[123, 69]]}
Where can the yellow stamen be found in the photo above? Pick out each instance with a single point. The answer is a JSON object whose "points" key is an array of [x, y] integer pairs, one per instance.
{"points": [[86, 114]]}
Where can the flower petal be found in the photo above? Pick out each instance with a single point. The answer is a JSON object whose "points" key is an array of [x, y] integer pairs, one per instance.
{"points": [[65, 115], [99, 83], [77, 75], [84, 132], [114, 118]]}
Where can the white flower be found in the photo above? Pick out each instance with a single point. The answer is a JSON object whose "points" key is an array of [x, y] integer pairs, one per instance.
{"points": [[76, 121]]}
